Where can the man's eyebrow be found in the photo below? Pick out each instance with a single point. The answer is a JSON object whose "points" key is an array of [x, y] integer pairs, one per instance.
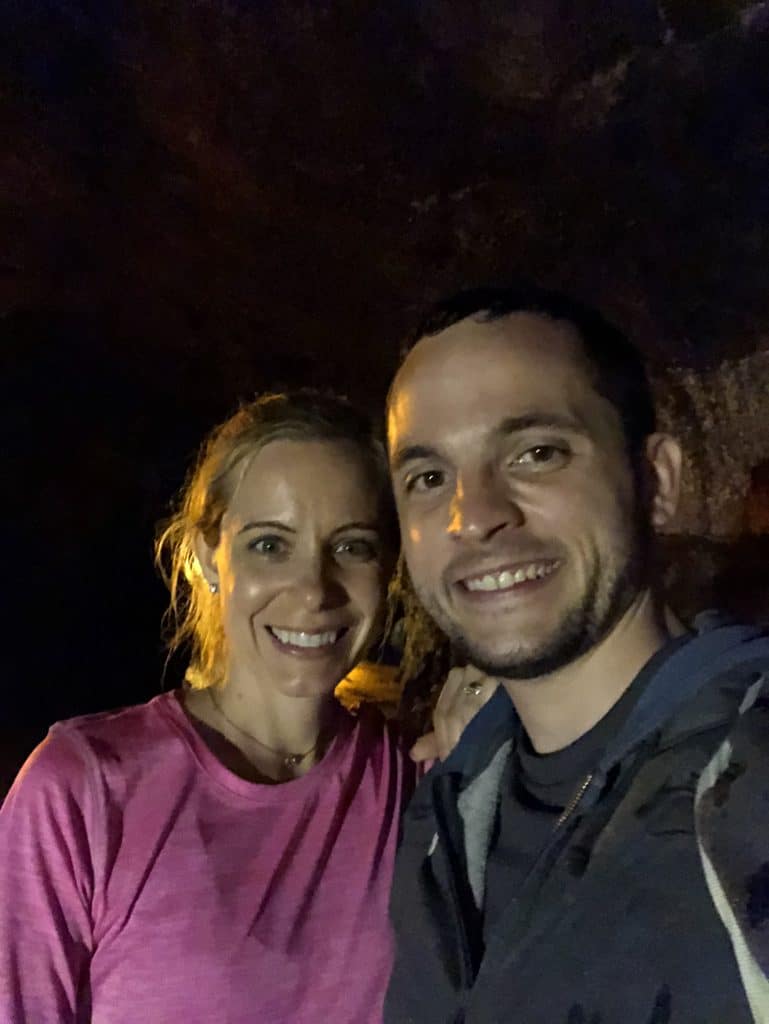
{"points": [[509, 425], [554, 421], [410, 453], [267, 524]]}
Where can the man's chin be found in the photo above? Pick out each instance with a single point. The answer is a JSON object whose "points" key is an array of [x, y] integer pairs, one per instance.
{"points": [[525, 661], [574, 636]]}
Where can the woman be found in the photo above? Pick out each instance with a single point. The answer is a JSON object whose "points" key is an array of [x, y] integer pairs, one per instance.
{"points": [[224, 852]]}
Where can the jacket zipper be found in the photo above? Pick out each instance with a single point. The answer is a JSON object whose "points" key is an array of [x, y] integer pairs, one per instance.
{"points": [[566, 814], [574, 803], [446, 849]]}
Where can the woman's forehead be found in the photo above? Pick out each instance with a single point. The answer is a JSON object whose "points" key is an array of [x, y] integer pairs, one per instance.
{"points": [[305, 478]]}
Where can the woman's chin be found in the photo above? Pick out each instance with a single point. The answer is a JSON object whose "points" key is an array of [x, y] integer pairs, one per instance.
{"points": [[309, 685]]}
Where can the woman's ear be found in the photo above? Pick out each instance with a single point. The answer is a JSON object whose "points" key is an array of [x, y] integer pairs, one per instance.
{"points": [[664, 458], [206, 556]]}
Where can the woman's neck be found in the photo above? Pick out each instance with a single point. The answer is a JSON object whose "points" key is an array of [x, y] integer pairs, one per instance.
{"points": [[283, 723], [276, 737]]}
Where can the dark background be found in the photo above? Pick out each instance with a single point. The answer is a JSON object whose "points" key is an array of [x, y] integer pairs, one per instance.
{"points": [[200, 200]]}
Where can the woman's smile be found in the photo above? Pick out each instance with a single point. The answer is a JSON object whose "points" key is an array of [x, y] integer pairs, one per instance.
{"points": [[306, 643]]}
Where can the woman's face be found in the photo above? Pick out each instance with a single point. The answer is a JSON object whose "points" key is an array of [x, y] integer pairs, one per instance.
{"points": [[301, 565]]}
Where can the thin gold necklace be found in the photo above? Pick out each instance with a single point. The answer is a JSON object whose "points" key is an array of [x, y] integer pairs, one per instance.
{"points": [[288, 761]]}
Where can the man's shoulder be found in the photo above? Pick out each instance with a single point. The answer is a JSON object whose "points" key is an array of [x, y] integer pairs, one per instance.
{"points": [[733, 833], [740, 767], [733, 790]]}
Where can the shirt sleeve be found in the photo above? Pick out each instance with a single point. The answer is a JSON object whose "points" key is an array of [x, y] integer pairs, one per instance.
{"points": [[46, 887]]}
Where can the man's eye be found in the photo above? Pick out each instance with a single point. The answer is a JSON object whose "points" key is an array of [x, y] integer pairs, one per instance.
{"points": [[426, 481], [267, 545], [544, 455], [359, 549]]}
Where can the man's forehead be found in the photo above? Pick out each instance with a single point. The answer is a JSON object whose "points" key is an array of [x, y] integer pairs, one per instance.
{"points": [[522, 359]]}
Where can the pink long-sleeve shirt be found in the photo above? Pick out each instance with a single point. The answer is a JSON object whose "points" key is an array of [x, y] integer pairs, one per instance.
{"points": [[142, 881]]}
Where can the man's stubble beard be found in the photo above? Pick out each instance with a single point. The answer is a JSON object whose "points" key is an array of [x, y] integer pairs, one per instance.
{"points": [[605, 600]]}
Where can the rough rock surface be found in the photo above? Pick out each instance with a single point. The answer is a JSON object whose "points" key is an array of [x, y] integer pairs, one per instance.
{"points": [[201, 199], [280, 184]]}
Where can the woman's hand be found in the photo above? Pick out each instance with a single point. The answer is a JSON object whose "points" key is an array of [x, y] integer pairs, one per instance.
{"points": [[464, 693]]}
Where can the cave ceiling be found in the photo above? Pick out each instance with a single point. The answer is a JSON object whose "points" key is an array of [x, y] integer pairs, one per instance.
{"points": [[226, 194]]}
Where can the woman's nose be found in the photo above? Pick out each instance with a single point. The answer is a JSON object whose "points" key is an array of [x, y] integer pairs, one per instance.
{"points": [[318, 587]]}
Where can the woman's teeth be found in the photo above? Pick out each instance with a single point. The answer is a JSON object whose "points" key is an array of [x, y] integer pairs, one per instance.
{"points": [[301, 639]]}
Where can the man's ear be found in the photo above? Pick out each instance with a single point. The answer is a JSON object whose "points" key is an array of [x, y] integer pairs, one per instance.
{"points": [[206, 556], [664, 459]]}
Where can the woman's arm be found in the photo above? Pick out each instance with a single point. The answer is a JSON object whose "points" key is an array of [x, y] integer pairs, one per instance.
{"points": [[464, 693], [46, 887]]}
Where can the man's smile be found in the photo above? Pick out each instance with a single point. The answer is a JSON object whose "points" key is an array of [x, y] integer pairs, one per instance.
{"points": [[509, 577]]}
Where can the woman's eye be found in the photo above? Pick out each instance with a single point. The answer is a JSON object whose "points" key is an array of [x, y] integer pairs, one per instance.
{"points": [[427, 481], [542, 455], [267, 545], [361, 550]]}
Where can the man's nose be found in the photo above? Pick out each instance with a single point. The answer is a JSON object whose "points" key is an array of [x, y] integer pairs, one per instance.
{"points": [[481, 507]]}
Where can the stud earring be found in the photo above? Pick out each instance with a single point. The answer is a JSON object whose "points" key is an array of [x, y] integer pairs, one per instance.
{"points": [[213, 587]]}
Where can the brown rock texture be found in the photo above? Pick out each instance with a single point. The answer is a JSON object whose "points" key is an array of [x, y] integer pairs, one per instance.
{"points": [[278, 186], [198, 200]]}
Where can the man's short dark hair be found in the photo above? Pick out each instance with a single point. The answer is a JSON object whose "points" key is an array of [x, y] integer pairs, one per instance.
{"points": [[620, 374]]}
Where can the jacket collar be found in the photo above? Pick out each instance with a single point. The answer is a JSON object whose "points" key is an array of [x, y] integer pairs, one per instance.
{"points": [[733, 654]]}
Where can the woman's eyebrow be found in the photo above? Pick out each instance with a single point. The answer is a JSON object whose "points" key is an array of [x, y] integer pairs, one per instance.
{"points": [[267, 524]]}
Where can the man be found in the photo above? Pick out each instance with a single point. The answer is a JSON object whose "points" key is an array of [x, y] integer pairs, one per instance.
{"points": [[595, 849]]}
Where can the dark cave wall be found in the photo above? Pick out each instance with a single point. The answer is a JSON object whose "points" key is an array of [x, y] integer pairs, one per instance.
{"points": [[201, 200]]}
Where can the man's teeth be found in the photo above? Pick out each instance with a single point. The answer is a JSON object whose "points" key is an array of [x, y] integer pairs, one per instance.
{"points": [[507, 578], [306, 639]]}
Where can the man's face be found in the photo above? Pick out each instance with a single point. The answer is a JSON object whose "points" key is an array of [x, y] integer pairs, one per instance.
{"points": [[517, 500]]}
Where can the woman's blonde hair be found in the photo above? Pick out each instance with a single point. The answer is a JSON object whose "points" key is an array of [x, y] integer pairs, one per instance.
{"points": [[193, 618], [426, 654]]}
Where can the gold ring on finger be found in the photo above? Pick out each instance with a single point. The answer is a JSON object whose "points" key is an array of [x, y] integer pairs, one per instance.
{"points": [[472, 689]]}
